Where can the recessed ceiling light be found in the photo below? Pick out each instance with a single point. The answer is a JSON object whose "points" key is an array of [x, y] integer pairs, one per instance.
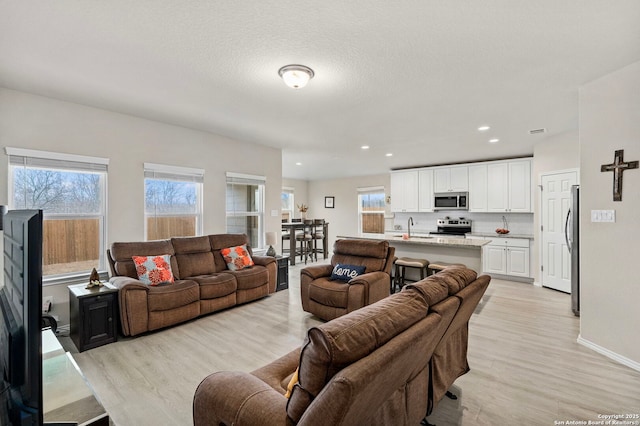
{"points": [[388, 154], [483, 128], [364, 147], [298, 164], [494, 140]]}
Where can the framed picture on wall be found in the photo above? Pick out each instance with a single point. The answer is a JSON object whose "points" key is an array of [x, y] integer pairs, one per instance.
{"points": [[329, 202]]}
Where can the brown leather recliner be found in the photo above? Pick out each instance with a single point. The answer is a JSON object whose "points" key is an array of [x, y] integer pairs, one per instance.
{"points": [[329, 299]]}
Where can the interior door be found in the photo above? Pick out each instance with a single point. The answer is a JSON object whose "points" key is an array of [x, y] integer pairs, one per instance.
{"points": [[556, 259]]}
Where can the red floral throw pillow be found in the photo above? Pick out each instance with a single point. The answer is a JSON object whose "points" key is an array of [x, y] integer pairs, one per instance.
{"points": [[154, 270], [237, 258]]}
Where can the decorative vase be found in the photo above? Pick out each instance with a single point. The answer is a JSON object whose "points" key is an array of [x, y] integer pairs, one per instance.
{"points": [[303, 215]]}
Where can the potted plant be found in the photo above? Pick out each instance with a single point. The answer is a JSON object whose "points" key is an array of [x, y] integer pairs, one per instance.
{"points": [[303, 210]]}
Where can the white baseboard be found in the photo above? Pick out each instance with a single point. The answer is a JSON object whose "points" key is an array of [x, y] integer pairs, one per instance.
{"points": [[609, 354], [537, 283]]}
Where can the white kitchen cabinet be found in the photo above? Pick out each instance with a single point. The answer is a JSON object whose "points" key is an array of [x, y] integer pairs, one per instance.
{"points": [[520, 186], [425, 190], [478, 188], [404, 191], [509, 186], [507, 256], [451, 179]]}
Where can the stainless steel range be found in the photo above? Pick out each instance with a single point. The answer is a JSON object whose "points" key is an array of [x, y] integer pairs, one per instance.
{"points": [[453, 227]]}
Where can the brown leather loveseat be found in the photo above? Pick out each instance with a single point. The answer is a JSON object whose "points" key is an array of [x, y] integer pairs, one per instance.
{"points": [[329, 299], [203, 283], [371, 366]]}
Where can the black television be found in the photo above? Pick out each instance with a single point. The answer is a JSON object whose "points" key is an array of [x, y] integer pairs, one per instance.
{"points": [[20, 320]]}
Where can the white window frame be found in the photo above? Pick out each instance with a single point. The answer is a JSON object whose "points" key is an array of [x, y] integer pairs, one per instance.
{"points": [[47, 160], [246, 179], [291, 192], [178, 174], [365, 191]]}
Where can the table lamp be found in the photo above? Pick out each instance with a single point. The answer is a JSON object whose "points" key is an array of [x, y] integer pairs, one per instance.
{"points": [[271, 240]]}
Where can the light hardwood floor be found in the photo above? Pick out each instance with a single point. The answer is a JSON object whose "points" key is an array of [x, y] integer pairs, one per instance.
{"points": [[526, 367]]}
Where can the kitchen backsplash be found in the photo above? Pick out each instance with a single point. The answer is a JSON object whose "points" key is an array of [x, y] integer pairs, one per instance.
{"points": [[519, 223]]}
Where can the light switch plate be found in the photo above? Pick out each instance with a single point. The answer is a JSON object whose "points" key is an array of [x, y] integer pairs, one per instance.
{"points": [[603, 216], [609, 216]]}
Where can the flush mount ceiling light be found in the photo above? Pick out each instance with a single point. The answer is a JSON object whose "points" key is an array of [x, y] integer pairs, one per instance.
{"points": [[364, 147], [494, 140], [483, 128], [296, 76]]}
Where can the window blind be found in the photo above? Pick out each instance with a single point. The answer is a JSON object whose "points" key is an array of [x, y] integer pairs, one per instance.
{"points": [[54, 160], [165, 172]]}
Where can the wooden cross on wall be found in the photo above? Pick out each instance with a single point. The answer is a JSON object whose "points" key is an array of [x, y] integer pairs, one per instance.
{"points": [[617, 167]]}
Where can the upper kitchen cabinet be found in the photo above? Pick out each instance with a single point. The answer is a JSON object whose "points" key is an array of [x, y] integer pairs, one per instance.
{"points": [[478, 187], [404, 191], [451, 179], [509, 186], [425, 188]]}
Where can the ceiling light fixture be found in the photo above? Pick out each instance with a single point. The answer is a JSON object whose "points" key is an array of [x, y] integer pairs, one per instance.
{"points": [[298, 164], [388, 154], [483, 128], [494, 140], [296, 76], [364, 147]]}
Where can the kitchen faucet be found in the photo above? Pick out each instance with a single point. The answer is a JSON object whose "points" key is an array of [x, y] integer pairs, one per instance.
{"points": [[409, 223]]}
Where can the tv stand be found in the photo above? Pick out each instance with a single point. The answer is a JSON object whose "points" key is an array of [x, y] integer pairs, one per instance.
{"points": [[67, 397]]}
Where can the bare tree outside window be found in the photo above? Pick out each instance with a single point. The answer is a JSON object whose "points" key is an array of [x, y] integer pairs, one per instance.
{"points": [[72, 203], [172, 208]]}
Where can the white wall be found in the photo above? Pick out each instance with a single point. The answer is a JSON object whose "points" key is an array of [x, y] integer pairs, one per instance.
{"points": [[560, 152], [610, 283], [35, 122]]}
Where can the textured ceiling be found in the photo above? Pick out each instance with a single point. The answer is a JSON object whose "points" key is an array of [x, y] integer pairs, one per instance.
{"points": [[412, 78]]}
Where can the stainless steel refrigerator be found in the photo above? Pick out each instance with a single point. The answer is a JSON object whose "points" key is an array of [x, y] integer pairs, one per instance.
{"points": [[572, 236]]}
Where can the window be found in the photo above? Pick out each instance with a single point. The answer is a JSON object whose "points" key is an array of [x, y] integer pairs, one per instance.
{"points": [[172, 201], [286, 204], [71, 191], [371, 210], [245, 206]]}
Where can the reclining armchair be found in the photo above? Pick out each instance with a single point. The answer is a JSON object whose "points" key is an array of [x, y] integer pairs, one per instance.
{"points": [[328, 299]]}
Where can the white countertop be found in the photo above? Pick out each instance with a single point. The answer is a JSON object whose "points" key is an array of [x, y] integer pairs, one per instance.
{"points": [[424, 240], [496, 235]]}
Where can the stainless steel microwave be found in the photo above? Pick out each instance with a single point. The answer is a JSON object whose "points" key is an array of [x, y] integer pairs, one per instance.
{"points": [[451, 201]]}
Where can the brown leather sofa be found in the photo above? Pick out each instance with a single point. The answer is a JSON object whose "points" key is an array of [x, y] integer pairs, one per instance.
{"points": [[371, 366], [328, 299], [203, 284]]}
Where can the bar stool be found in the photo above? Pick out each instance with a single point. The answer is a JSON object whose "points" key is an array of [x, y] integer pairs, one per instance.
{"points": [[438, 266], [285, 236], [305, 238], [317, 234], [407, 262]]}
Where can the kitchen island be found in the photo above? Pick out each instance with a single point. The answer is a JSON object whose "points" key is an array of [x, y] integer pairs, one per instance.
{"points": [[451, 250]]}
